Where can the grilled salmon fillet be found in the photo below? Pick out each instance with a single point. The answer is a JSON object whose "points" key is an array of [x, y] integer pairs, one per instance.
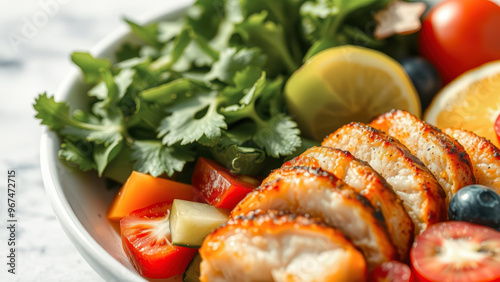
{"points": [[320, 194], [366, 181], [440, 153], [485, 157], [422, 196], [274, 246]]}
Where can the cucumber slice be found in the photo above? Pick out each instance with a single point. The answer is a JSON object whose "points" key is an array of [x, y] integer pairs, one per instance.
{"points": [[191, 222], [192, 273]]}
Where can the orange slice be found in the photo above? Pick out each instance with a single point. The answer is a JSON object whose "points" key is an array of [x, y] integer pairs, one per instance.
{"points": [[471, 102]]}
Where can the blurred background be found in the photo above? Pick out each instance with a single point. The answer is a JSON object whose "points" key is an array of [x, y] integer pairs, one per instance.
{"points": [[36, 40]]}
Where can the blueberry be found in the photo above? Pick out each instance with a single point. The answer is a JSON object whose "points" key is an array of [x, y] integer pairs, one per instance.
{"points": [[424, 76], [476, 204]]}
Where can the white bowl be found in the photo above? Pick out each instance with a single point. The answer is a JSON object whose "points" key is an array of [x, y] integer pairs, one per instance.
{"points": [[80, 200]]}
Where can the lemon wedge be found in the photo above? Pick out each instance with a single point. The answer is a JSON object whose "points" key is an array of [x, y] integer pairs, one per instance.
{"points": [[471, 102], [344, 84]]}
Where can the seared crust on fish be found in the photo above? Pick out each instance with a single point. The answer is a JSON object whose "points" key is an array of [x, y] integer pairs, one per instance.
{"points": [[440, 153], [422, 196], [320, 194], [485, 156], [366, 181], [275, 246]]}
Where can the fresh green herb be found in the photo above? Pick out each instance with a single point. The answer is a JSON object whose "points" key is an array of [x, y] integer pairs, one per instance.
{"points": [[207, 84]]}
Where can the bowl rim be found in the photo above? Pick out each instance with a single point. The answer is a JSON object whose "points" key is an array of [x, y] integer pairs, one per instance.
{"points": [[81, 239]]}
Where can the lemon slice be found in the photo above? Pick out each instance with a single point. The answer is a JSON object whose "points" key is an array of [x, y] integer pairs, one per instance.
{"points": [[345, 84], [471, 102]]}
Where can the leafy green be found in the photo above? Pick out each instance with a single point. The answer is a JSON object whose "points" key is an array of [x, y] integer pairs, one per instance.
{"points": [[110, 90], [169, 92], [56, 116], [195, 119], [270, 37], [105, 137], [180, 44], [169, 30], [278, 135], [154, 158], [149, 34], [77, 153], [127, 51], [209, 83], [239, 159], [90, 66], [232, 60], [323, 19], [103, 154]]}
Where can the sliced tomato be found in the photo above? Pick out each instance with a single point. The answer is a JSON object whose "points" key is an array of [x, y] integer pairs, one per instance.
{"points": [[142, 190], [457, 251], [146, 240], [393, 271], [218, 186], [497, 127]]}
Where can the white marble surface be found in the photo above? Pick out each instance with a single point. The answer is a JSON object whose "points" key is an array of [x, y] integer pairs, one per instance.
{"points": [[36, 39]]}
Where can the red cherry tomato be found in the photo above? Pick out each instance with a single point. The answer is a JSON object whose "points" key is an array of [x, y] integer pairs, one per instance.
{"points": [[393, 271], [458, 35], [220, 187], [146, 240], [497, 128], [456, 251]]}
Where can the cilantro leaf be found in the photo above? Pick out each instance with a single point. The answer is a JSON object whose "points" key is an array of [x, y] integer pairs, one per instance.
{"points": [[78, 153], [284, 13], [205, 16], [239, 134], [197, 52], [322, 21], [121, 166], [231, 61], [56, 115], [127, 51], [148, 34], [246, 105], [106, 136], [104, 153], [270, 38], [232, 15], [53, 114], [110, 130], [90, 66], [169, 30], [110, 90], [170, 92], [278, 135], [148, 115], [180, 44], [154, 158], [193, 56], [187, 48], [192, 120]]}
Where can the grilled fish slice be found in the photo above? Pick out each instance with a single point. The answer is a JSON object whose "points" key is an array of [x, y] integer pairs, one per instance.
{"points": [[423, 198], [274, 246], [485, 156], [440, 153], [320, 194], [366, 181]]}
